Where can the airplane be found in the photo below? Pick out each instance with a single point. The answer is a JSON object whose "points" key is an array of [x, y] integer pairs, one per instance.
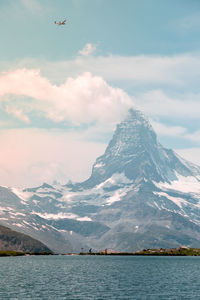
{"points": [[60, 23]]}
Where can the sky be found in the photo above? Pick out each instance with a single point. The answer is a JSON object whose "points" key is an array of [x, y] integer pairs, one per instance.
{"points": [[63, 89]]}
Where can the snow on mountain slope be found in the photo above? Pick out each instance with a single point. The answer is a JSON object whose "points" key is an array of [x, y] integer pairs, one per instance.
{"points": [[139, 195]]}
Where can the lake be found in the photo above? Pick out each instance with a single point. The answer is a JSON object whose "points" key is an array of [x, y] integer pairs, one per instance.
{"points": [[99, 277]]}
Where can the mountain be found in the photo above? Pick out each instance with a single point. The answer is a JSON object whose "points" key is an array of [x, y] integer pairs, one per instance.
{"points": [[14, 241], [139, 195], [135, 152]]}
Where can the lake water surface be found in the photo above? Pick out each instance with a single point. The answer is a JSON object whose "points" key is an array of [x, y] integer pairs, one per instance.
{"points": [[99, 277]]}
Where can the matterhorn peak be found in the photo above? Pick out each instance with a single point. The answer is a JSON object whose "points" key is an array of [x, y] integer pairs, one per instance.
{"points": [[135, 116], [135, 151]]}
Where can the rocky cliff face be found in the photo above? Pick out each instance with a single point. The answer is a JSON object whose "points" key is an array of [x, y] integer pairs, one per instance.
{"points": [[138, 195]]}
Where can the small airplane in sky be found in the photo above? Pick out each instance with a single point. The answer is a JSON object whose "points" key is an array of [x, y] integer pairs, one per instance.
{"points": [[60, 23]]}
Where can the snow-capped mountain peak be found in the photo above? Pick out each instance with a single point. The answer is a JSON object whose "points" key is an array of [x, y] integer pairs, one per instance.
{"points": [[135, 151]]}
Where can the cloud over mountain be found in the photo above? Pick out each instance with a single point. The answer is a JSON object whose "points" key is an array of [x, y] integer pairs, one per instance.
{"points": [[83, 99]]}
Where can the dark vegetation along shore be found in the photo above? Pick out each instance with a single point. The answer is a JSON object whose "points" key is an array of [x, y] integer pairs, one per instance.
{"points": [[181, 251], [17, 253]]}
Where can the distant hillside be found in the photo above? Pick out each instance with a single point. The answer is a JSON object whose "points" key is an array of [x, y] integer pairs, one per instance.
{"points": [[15, 241]]}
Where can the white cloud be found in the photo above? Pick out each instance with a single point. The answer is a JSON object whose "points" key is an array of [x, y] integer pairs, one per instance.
{"points": [[176, 131], [88, 49], [190, 154], [78, 100], [17, 113], [164, 130], [83, 99], [194, 137], [29, 157], [179, 71], [157, 103]]}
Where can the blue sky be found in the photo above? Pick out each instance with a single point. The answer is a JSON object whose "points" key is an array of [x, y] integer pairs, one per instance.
{"points": [[132, 27], [64, 88]]}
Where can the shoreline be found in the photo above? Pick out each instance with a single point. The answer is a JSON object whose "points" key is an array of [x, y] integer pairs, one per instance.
{"points": [[181, 251]]}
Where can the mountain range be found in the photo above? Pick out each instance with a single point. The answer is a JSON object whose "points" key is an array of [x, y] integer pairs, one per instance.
{"points": [[139, 195]]}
